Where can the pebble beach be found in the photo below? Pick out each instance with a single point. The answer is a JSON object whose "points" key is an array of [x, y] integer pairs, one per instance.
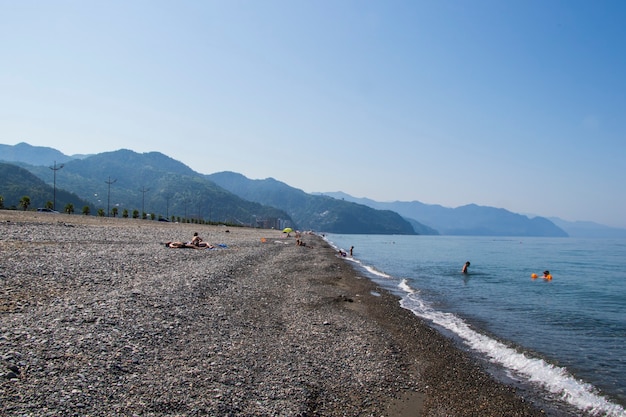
{"points": [[99, 318]]}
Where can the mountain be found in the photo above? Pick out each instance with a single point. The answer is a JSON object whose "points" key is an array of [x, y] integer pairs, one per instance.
{"points": [[312, 212], [154, 183], [588, 229], [18, 182], [469, 220], [32, 155]]}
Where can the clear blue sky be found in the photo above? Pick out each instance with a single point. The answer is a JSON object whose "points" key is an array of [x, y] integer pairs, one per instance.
{"points": [[517, 104]]}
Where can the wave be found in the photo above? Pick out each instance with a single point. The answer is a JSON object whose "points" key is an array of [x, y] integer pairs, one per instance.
{"points": [[555, 380]]}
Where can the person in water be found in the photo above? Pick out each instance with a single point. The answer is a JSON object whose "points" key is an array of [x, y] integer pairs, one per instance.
{"points": [[464, 270], [546, 275]]}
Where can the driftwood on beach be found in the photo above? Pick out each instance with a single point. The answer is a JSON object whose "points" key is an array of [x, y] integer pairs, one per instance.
{"points": [[99, 318]]}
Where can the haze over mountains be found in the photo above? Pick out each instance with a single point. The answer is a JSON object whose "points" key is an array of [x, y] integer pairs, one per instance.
{"points": [[160, 184]]}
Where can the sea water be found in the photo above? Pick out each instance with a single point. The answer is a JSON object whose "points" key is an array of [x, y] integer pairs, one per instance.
{"points": [[565, 338]]}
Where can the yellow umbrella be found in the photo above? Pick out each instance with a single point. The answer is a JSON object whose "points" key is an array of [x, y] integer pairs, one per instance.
{"points": [[287, 230]]}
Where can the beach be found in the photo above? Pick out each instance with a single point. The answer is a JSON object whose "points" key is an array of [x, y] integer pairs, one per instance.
{"points": [[99, 318]]}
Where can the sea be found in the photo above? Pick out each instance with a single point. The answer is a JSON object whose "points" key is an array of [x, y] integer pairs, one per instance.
{"points": [[562, 341]]}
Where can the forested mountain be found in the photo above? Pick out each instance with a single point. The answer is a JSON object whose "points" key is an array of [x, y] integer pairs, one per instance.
{"points": [[152, 183], [155, 183], [314, 212], [18, 182]]}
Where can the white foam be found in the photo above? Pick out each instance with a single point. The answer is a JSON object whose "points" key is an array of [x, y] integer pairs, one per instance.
{"points": [[370, 269], [554, 379]]}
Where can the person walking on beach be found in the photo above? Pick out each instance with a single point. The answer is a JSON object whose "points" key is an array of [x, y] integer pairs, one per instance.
{"points": [[464, 270]]}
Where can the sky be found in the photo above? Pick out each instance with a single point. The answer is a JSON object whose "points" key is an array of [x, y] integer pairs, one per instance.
{"points": [[517, 104]]}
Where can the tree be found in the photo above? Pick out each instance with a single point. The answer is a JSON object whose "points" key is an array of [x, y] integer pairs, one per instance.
{"points": [[101, 212], [86, 210], [135, 214], [125, 213], [1, 202], [114, 211], [49, 205], [69, 208], [25, 202]]}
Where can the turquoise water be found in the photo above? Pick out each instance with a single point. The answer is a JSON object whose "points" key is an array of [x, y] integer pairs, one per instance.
{"points": [[564, 337]]}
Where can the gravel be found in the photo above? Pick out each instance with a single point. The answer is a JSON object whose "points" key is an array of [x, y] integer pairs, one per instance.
{"points": [[99, 318]]}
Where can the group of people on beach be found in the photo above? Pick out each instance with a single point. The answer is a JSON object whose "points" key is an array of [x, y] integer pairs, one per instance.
{"points": [[196, 242], [343, 253]]}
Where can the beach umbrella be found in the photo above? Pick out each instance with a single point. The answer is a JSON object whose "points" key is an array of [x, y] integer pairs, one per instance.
{"points": [[287, 230]]}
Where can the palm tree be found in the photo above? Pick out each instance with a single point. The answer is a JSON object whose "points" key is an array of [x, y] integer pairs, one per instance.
{"points": [[1, 202], [101, 212], [114, 211], [69, 208], [25, 202], [86, 210]]}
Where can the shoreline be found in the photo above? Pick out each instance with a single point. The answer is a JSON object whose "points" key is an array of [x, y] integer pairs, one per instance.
{"points": [[97, 317]]}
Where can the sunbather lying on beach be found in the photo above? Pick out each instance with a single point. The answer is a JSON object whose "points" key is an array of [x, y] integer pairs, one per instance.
{"points": [[180, 245], [189, 245]]}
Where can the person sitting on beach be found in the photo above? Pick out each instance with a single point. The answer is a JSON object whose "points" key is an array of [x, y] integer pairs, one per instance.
{"points": [[198, 242], [464, 270], [195, 240]]}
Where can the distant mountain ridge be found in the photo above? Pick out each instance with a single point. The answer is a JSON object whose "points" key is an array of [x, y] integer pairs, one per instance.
{"points": [[469, 220], [588, 229], [34, 155], [166, 186]]}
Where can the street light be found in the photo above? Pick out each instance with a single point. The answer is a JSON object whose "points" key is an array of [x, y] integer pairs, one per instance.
{"points": [[109, 182], [55, 169], [143, 190]]}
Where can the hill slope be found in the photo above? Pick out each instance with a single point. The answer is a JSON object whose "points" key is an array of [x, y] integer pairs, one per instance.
{"points": [[319, 213], [18, 182]]}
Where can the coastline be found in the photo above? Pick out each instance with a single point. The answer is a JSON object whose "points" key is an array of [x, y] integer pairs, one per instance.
{"points": [[98, 317]]}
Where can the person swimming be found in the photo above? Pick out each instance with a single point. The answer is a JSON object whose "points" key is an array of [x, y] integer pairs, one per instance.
{"points": [[464, 270]]}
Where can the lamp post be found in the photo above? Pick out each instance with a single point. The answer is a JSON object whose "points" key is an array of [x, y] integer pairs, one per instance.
{"points": [[55, 169], [109, 182], [143, 190]]}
